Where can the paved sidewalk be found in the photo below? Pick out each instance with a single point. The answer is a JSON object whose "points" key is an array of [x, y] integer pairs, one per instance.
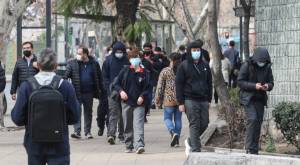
{"points": [[98, 152]]}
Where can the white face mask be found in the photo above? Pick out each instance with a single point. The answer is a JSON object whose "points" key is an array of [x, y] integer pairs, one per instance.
{"points": [[119, 55], [79, 57]]}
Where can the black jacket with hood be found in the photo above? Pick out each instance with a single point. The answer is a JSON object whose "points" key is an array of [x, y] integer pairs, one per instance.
{"points": [[193, 81], [251, 73]]}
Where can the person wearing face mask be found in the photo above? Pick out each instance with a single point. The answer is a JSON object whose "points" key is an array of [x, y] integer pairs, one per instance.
{"points": [[112, 66], [255, 79], [165, 92], [25, 67], [133, 90], [194, 94], [86, 76]]}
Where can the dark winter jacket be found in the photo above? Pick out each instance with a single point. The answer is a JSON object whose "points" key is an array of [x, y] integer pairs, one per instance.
{"points": [[136, 84], [22, 72], [250, 74], [233, 56], [193, 81], [2, 79], [19, 116], [148, 66], [159, 63], [73, 72], [112, 65]]}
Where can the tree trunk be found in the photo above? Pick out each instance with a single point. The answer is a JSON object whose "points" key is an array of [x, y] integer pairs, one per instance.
{"points": [[126, 15], [10, 11], [246, 37], [218, 79]]}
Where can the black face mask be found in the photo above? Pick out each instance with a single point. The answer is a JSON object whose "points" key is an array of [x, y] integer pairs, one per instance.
{"points": [[147, 52], [27, 53]]}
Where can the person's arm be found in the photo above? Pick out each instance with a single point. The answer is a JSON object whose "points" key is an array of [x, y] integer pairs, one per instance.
{"points": [[19, 112], [180, 80], [2, 79], [159, 94], [209, 83], [68, 73], [14, 80], [105, 74], [270, 80], [100, 78], [147, 85], [243, 79], [117, 84], [72, 104]]}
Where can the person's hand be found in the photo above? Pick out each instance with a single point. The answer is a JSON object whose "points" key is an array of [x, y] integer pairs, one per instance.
{"points": [[265, 87], [35, 65], [157, 103], [123, 95], [181, 108], [236, 72], [140, 101], [14, 97], [258, 86]]}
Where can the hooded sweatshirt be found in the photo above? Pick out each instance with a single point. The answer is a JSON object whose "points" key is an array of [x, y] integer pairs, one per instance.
{"points": [[193, 80], [113, 65], [251, 73]]}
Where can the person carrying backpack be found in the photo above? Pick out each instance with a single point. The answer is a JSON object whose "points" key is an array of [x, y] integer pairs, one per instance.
{"points": [[133, 90], [46, 105]]}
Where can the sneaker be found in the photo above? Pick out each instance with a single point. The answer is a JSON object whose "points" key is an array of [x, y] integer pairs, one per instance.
{"points": [[89, 136], [187, 146], [128, 150], [140, 150], [174, 139], [111, 140], [76, 136], [177, 143], [121, 138], [145, 120], [100, 132]]}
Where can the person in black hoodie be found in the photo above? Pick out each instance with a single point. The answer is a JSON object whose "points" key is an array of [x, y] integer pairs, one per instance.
{"points": [[112, 66], [132, 84], [194, 93], [255, 79]]}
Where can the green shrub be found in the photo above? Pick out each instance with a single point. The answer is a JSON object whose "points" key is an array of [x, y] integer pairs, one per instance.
{"points": [[270, 145], [287, 118]]}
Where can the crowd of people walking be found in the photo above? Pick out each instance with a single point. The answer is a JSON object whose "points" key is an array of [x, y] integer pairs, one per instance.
{"points": [[130, 83]]}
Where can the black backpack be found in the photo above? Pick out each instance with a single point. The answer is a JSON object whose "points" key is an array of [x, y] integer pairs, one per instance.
{"points": [[46, 112]]}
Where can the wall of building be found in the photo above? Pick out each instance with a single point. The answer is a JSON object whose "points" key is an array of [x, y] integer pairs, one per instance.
{"points": [[278, 29]]}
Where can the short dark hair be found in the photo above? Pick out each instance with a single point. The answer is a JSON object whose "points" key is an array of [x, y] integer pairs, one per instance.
{"points": [[148, 45], [175, 56], [85, 50], [47, 60], [158, 49], [28, 42], [134, 53], [231, 43], [182, 47]]}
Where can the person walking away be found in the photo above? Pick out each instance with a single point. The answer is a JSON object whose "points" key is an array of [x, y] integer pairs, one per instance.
{"points": [[2, 87], [25, 67], [112, 66], [165, 92], [86, 77], [255, 79], [194, 94], [132, 84], [233, 56], [46, 105]]}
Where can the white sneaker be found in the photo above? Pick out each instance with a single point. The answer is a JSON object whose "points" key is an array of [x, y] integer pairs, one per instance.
{"points": [[140, 150], [187, 147]]}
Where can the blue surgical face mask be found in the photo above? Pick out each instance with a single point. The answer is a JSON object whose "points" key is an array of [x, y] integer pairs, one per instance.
{"points": [[196, 55], [261, 64], [135, 62]]}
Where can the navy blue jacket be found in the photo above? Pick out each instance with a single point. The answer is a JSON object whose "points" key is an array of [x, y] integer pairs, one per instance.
{"points": [[111, 68], [19, 116], [136, 85]]}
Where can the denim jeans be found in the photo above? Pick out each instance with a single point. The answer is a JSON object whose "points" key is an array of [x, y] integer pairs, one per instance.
{"points": [[172, 118], [133, 118]]}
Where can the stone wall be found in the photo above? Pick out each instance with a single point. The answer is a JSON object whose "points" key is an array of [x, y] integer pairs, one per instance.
{"points": [[278, 29]]}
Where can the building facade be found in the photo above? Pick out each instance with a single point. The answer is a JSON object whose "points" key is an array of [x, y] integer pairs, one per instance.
{"points": [[278, 29]]}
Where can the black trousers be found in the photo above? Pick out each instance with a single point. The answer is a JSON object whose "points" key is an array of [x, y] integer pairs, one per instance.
{"points": [[102, 114], [254, 117]]}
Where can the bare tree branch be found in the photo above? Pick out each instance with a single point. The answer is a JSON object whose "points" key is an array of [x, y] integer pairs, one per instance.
{"points": [[187, 18]]}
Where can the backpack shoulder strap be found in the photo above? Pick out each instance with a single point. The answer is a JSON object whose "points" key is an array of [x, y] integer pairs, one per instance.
{"points": [[55, 82], [34, 84]]}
